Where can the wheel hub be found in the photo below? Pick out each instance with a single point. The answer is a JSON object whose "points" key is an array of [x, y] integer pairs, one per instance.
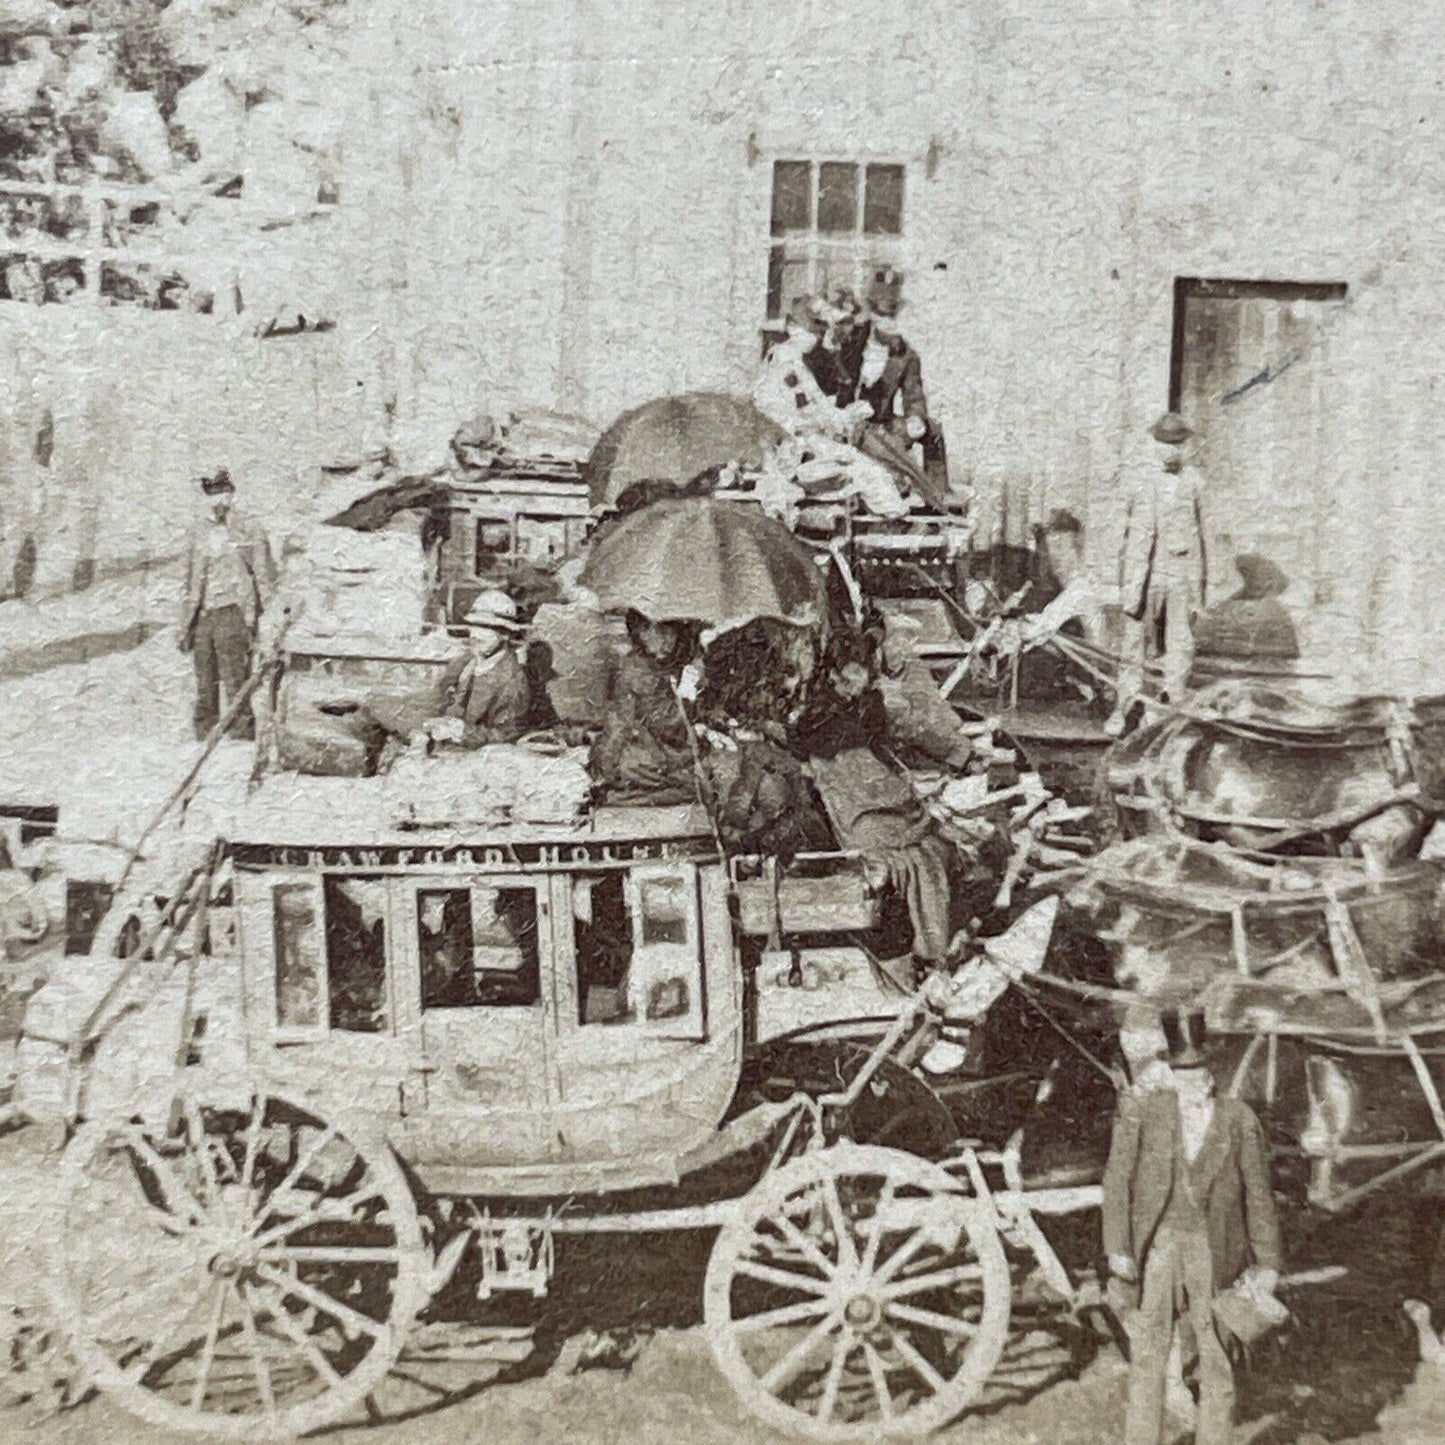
{"points": [[862, 1312], [224, 1265]]}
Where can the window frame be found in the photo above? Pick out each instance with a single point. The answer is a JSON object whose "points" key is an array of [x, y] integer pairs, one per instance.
{"points": [[815, 243], [471, 886], [691, 1026]]}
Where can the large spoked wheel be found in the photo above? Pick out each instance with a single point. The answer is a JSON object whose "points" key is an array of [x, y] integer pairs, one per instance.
{"points": [[858, 1293], [250, 1274]]}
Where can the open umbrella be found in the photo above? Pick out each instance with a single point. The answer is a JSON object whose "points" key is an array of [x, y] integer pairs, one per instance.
{"points": [[371, 511], [695, 558], [673, 438]]}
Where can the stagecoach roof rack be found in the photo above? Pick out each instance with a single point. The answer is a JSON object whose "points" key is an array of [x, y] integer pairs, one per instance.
{"points": [[326, 816]]}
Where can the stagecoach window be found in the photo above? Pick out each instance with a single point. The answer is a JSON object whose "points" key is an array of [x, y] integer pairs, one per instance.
{"points": [[478, 947], [494, 540], [356, 954], [300, 960], [602, 930], [664, 910]]}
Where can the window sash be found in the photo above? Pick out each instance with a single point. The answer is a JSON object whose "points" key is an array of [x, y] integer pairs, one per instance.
{"points": [[321, 1027], [670, 960]]}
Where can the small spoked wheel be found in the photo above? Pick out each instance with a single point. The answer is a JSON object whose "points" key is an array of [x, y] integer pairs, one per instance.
{"points": [[248, 1274], [858, 1293]]}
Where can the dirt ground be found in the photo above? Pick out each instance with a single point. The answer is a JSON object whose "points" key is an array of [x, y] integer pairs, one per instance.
{"points": [[617, 1353]]}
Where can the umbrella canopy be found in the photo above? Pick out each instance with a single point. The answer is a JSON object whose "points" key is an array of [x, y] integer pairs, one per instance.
{"points": [[673, 438], [694, 558], [374, 509]]}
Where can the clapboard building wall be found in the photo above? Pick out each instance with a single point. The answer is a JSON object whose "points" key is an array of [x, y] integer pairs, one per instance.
{"points": [[1100, 206]]}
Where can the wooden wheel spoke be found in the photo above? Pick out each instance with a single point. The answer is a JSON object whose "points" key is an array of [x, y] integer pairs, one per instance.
{"points": [[847, 1248], [935, 1279], [917, 1363], [805, 1246], [351, 1319], [931, 1319], [208, 1349], [788, 1366], [259, 1366], [847, 1343], [312, 1214], [178, 1198], [879, 1376], [282, 1321], [307, 1157], [875, 1238], [252, 1150], [767, 1274], [154, 1350], [794, 1314], [902, 1256]]}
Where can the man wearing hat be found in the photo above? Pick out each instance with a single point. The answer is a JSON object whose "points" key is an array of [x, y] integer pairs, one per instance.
{"points": [[787, 388], [1163, 568], [838, 359], [490, 699], [1187, 1213], [230, 576], [890, 376]]}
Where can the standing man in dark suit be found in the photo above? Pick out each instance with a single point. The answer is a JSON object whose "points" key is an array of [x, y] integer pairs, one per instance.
{"points": [[229, 579], [890, 377], [1187, 1213]]}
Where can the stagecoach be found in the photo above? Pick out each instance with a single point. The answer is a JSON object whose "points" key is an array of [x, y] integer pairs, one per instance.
{"points": [[365, 1052]]}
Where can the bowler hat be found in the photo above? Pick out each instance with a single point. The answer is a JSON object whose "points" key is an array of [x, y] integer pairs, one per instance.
{"points": [[217, 482], [494, 609], [1184, 1034], [1171, 429]]}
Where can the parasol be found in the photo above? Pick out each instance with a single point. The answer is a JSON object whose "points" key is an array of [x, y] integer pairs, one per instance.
{"points": [[374, 509], [673, 438], [694, 558]]}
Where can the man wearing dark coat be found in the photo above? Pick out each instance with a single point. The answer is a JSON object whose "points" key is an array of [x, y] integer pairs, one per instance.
{"points": [[890, 377], [1187, 1213]]}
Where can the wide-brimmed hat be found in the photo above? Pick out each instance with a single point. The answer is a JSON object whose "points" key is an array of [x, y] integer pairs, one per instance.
{"points": [[1171, 429], [217, 483], [1186, 1039], [493, 609]]}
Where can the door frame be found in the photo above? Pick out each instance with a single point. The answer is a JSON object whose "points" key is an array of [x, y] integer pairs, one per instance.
{"points": [[1188, 288]]}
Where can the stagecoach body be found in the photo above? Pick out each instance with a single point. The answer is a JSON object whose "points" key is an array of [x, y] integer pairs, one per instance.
{"points": [[355, 1058], [510, 531], [552, 1000]]}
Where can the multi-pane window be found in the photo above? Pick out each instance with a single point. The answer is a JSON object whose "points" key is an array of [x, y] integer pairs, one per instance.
{"points": [[833, 223]]}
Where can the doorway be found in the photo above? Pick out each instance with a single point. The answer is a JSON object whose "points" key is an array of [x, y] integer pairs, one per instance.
{"points": [[1251, 371]]}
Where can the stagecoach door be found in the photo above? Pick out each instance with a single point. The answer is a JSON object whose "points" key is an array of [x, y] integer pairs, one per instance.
{"points": [[337, 1021], [480, 973], [631, 999]]}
